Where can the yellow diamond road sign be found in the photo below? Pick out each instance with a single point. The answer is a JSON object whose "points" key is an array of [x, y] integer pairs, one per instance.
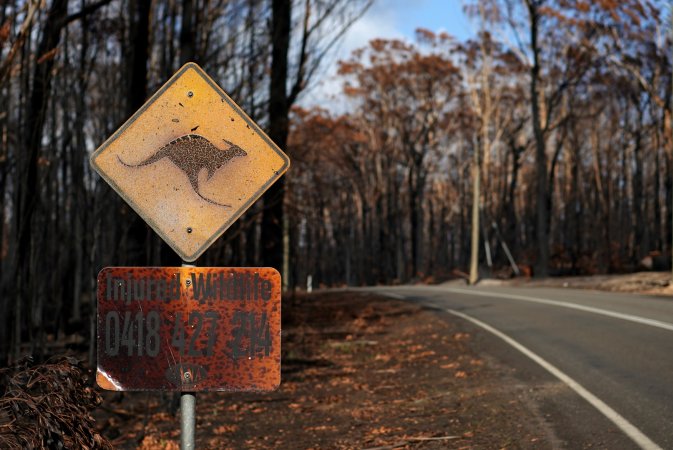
{"points": [[190, 162]]}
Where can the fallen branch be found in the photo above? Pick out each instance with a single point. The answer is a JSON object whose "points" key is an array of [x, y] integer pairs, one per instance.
{"points": [[414, 440]]}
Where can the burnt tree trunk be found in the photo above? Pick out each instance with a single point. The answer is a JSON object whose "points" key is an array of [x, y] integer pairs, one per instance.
{"points": [[28, 191], [542, 198], [187, 33], [136, 56], [272, 221]]}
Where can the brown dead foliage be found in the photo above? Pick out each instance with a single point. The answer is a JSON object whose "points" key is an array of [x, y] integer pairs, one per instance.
{"points": [[48, 406]]}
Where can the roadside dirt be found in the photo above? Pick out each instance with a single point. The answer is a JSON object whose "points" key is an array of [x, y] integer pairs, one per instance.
{"points": [[359, 371], [651, 283]]}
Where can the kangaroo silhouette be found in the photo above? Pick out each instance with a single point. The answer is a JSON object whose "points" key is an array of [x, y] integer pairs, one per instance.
{"points": [[191, 154]]}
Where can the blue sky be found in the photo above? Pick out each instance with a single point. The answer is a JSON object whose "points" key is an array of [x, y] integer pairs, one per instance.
{"points": [[444, 15], [388, 19]]}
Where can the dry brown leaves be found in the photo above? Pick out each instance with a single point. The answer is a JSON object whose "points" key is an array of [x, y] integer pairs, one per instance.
{"points": [[48, 406]]}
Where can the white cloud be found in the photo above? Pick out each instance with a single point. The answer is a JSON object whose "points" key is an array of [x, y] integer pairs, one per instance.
{"points": [[375, 24], [380, 21]]}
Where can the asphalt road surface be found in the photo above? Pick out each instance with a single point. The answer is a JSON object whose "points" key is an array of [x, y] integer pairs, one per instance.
{"points": [[600, 365]]}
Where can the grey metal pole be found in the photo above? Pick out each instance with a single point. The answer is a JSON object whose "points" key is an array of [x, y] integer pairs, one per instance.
{"points": [[187, 411], [187, 420]]}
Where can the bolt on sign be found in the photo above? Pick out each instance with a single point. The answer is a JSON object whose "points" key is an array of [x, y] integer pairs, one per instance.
{"points": [[190, 162], [188, 329]]}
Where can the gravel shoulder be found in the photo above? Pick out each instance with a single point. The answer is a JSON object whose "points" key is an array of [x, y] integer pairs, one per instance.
{"points": [[650, 283]]}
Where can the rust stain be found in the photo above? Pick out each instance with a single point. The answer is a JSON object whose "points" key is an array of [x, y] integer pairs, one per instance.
{"points": [[181, 328]]}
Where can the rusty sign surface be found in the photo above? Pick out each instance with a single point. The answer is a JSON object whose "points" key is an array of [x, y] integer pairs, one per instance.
{"points": [[188, 329], [190, 162]]}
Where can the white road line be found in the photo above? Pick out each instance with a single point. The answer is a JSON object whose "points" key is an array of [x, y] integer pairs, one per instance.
{"points": [[604, 312], [627, 427]]}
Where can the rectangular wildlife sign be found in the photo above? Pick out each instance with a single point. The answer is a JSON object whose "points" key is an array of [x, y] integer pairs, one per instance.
{"points": [[190, 162], [188, 329]]}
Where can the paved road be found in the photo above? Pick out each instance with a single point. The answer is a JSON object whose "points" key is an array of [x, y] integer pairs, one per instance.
{"points": [[603, 362]]}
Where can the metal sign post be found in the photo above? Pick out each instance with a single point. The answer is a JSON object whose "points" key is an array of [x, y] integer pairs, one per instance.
{"points": [[189, 329], [187, 411], [189, 162], [187, 420]]}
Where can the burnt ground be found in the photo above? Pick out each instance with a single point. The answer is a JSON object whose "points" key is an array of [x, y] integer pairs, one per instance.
{"points": [[358, 371]]}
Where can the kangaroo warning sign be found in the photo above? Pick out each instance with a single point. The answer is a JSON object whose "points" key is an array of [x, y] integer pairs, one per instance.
{"points": [[190, 162], [188, 329]]}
